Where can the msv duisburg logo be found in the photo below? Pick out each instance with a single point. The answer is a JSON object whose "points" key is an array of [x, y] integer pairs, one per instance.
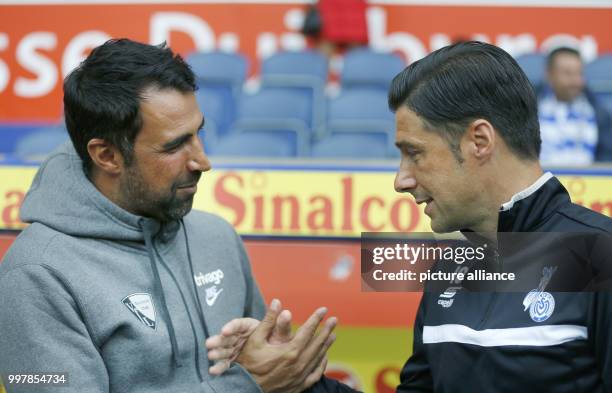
{"points": [[541, 304]]}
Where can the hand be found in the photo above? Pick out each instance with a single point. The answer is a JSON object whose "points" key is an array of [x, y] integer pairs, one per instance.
{"points": [[225, 347], [293, 364]]}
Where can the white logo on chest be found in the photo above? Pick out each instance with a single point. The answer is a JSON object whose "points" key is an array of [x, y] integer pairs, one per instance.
{"points": [[212, 292], [541, 304], [141, 305]]}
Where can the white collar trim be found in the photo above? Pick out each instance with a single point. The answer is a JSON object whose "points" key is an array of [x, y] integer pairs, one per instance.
{"points": [[526, 192]]}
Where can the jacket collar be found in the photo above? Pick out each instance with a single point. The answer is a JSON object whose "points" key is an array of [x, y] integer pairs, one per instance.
{"points": [[527, 209]]}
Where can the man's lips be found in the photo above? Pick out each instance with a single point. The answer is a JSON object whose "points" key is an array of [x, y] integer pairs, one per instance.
{"points": [[423, 200]]}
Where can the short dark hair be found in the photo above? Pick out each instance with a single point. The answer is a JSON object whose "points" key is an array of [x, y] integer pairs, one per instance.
{"points": [[102, 95], [459, 83], [563, 50]]}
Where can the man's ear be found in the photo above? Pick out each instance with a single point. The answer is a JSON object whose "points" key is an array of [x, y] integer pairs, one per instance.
{"points": [[480, 138], [105, 156]]}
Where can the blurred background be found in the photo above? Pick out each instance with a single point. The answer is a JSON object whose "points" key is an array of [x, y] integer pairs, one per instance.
{"points": [[298, 128]]}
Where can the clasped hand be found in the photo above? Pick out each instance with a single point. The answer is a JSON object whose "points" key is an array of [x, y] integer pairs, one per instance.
{"points": [[277, 360]]}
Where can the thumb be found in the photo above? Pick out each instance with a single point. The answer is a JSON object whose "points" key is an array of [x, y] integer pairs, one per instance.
{"points": [[268, 322]]}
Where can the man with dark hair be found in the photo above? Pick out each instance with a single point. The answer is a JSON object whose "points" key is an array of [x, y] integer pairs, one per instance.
{"points": [[116, 285], [467, 128], [576, 129]]}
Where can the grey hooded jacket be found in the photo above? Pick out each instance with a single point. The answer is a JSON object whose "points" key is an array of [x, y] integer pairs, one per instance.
{"points": [[118, 302]]}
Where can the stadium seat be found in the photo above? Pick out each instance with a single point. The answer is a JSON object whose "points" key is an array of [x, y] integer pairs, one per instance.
{"points": [[304, 72], [276, 105], [219, 67], [259, 142], [365, 68], [351, 146], [220, 77], [275, 116], [534, 66], [40, 143], [362, 111], [304, 63], [217, 115], [598, 75]]}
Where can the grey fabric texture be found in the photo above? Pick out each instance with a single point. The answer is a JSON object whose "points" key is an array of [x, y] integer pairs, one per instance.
{"points": [[78, 294]]}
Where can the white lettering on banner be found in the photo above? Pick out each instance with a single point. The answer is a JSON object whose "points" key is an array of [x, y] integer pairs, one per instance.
{"points": [[5, 73], [412, 48], [162, 23], [229, 42], [517, 45], [267, 45], [586, 45], [44, 68], [77, 48]]}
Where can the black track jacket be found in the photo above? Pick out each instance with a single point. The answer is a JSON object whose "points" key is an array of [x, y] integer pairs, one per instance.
{"points": [[488, 342]]}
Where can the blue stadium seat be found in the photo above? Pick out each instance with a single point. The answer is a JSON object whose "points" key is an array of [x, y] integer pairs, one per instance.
{"points": [[42, 142], [277, 105], [220, 77], [282, 116], [219, 67], [351, 145], [217, 116], [598, 75], [365, 68], [304, 72], [362, 111], [304, 63], [534, 66], [259, 143]]}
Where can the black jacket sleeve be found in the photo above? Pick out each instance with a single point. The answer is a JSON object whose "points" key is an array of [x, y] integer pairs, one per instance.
{"points": [[600, 334], [416, 374], [328, 385]]}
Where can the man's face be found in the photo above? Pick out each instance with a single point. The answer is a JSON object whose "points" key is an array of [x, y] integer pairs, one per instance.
{"points": [[565, 76], [431, 173], [168, 157]]}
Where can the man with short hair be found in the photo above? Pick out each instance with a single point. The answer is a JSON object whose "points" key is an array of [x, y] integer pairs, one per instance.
{"points": [[576, 130], [116, 284], [467, 129]]}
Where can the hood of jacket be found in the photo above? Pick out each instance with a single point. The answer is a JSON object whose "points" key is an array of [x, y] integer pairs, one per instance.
{"points": [[63, 198]]}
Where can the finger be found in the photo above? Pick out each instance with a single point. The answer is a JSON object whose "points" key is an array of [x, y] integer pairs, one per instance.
{"points": [[316, 374], [222, 353], [320, 355], [239, 326], [219, 367], [282, 330], [304, 334], [219, 341], [266, 326], [321, 342]]}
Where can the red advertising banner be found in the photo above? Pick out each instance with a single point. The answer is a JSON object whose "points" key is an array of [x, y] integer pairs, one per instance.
{"points": [[41, 41]]}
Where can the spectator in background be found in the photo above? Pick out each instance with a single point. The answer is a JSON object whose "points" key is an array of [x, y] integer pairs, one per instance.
{"points": [[575, 129], [336, 25]]}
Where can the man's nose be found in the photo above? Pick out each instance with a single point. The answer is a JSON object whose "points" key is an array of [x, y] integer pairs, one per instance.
{"points": [[199, 160], [404, 179]]}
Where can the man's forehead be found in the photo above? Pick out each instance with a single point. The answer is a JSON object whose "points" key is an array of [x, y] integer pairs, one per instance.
{"points": [[409, 129], [168, 115]]}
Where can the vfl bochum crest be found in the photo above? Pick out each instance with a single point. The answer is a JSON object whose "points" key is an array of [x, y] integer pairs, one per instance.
{"points": [[141, 305], [541, 304]]}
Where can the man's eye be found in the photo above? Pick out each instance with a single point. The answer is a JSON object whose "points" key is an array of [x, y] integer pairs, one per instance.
{"points": [[173, 149]]}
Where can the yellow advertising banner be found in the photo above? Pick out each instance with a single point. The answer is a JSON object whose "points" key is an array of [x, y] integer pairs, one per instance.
{"points": [[311, 202], [369, 359]]}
